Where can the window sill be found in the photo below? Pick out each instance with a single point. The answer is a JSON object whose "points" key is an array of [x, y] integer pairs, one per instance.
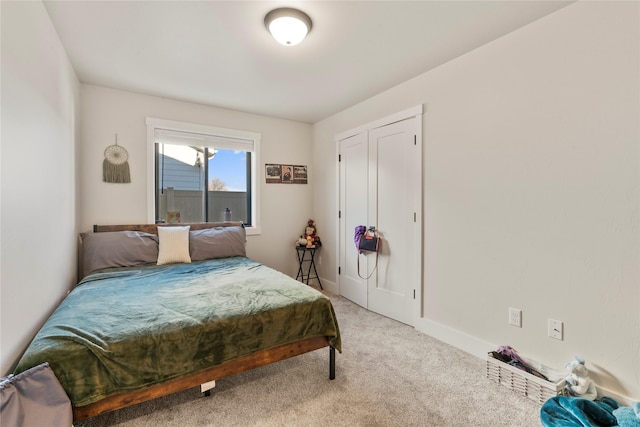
{"points": [[253, 231]]}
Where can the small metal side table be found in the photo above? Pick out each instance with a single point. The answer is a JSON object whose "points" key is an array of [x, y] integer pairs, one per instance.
{"points": [[302, 258]]}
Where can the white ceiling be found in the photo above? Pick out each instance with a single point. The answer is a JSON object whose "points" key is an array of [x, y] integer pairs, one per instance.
{"points": [[219, 52]]}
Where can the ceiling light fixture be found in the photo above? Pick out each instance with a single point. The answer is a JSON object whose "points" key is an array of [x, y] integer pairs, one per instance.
{"points": [[288, 26]]}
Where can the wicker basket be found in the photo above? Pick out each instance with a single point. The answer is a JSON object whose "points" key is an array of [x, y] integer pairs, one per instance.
{"points": [[523, 383]]}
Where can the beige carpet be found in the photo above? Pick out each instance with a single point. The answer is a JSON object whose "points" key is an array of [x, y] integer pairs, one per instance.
{"points": [[387, 375]]}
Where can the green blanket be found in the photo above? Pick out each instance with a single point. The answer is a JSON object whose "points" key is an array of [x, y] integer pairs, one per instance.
{"points": [[129, 328]]}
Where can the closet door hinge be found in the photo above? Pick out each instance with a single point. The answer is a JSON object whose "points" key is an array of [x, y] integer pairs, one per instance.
{"points": [[339, 214], [415, 139], [339, 158], [415, 217], [339, 270], [414, 294]]}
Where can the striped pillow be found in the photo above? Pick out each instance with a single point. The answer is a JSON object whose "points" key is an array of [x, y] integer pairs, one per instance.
{"points": [[173, 245]]}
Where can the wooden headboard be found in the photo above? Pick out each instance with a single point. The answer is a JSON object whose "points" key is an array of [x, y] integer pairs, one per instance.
{"points": [[153, 228]]}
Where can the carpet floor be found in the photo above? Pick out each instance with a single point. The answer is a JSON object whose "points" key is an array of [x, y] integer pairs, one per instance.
{"points": [[387, 375]]}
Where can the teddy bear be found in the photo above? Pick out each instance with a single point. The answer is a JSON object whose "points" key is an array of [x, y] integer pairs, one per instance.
{"points": [[578, 382]]}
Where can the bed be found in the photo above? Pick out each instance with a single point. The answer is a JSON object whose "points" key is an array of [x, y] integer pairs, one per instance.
{"points": [[150, 318]]}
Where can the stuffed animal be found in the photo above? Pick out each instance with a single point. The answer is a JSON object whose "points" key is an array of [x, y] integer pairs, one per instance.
{"points": [[310, 234], [578, 382], [309, 238], [310, 242]]}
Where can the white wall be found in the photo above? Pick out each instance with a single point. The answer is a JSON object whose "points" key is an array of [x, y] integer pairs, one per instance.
{"points": [[284, 209], [531, 190], [40, 95]]}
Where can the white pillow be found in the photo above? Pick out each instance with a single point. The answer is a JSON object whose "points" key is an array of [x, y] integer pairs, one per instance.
{"points": [[173, 245]]}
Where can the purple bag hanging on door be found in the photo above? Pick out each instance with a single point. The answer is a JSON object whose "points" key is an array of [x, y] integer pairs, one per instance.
{"points": [[366, 240]]}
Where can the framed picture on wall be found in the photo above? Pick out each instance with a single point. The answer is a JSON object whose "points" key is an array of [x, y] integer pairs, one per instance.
{"points": [[300, 174], [273, 173], [285, 174]]}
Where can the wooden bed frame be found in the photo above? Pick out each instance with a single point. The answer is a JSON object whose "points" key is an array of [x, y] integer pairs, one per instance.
{"points": [[236, 366]]}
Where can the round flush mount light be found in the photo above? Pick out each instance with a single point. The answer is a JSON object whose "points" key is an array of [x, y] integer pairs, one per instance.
{"points": [[287, 25]]}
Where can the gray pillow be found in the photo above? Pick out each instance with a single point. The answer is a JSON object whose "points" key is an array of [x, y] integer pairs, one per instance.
{"points": [[218, 242], [117, 249]]}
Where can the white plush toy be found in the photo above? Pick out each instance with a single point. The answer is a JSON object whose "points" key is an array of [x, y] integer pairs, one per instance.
{"points": [[578, 382]]}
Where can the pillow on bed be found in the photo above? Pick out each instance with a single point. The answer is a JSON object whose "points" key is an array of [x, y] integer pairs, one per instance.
{"points": [[117, 249], [218, 242], [174, 245]]}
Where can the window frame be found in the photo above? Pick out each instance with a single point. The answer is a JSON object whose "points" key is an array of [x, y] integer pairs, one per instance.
{"points": [[154, 124]]}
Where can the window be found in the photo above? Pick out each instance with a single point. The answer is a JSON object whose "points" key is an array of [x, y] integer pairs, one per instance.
{"points": [[200, 172]]}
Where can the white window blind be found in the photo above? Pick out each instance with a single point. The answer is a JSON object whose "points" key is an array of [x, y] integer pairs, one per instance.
{"points": [[165, 136]]}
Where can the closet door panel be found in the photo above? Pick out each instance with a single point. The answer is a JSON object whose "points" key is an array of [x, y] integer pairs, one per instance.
{"points": [[391, 161], [353, 207]]}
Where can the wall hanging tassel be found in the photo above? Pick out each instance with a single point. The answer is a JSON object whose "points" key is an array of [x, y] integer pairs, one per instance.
{"points": [[114, 166]]}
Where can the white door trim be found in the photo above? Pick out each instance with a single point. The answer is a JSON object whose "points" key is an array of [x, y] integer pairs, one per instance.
{"points": [[402, 115]]}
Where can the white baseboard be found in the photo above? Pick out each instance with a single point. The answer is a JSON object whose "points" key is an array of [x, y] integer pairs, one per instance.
{"points": [[623, 400], [465, 342], [330, 286]]}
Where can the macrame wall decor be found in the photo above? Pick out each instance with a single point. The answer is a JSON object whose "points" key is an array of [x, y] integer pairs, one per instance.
{"points": [[114, 166]]}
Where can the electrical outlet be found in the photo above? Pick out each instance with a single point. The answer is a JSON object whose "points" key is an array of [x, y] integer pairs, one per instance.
{"points": [[515, 317], [555, 329]]}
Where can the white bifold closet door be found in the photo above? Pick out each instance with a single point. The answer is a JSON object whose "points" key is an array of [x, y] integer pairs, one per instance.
{"points": [[381, 186]]}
